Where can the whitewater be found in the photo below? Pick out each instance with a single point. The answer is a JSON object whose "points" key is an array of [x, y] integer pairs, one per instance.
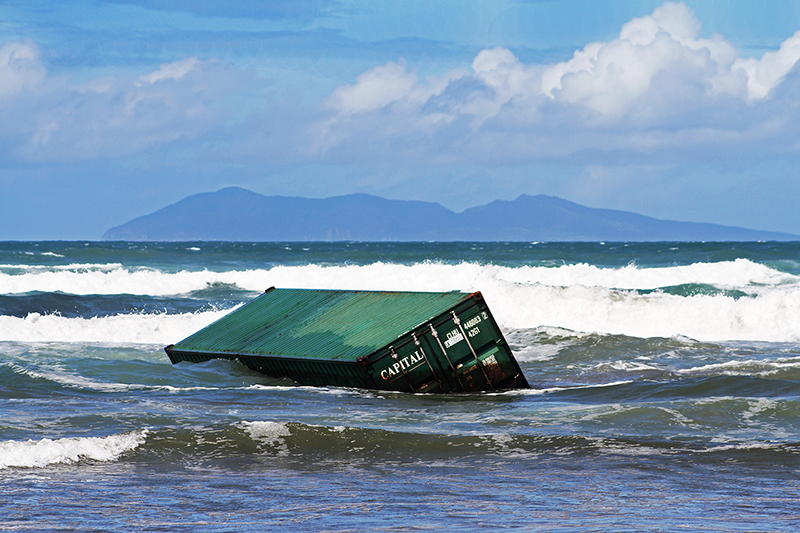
{"points": [[729, 300]]}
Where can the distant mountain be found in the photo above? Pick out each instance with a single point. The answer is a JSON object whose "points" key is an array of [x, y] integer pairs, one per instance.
{"points": [[236, 214]]}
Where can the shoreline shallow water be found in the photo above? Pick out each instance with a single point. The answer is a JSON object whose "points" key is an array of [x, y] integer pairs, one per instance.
{"points": [[642, 418]]}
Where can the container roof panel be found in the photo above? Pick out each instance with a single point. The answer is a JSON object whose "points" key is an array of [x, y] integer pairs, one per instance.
{"points": [[320, 324]]}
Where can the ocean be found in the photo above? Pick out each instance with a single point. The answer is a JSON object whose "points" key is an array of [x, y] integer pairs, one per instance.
{"points": [[666, 393]]}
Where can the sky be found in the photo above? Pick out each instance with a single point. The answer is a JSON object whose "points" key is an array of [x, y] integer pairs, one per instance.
{"points": [[112, 109]]}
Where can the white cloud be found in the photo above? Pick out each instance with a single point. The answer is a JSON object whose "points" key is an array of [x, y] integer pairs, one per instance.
{"points": [[764, 74], [386, 85], [665, 47], [103, 117], [172, 71], [375, 89], [20, 68], [506, 76], [389, 87], [659, 85]]}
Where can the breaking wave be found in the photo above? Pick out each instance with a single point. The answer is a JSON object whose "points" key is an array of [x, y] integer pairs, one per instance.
{"points": [[120, 329], [425, 276], [44, 452], [729, 300]]}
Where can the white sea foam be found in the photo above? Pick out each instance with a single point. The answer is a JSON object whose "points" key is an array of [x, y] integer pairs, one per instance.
{"points": [[115, 279], [426, 276], [626, 366], [744, 446], [40, 453], [744, 367], [70, 379], [56, 374], [740, 273], [119, 329], [266, 431], [773, 315], [270, 433], [580, 298]]}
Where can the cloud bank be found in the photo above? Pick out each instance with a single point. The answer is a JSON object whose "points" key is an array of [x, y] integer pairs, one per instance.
{"points": [[49, 119], [659, 86]]}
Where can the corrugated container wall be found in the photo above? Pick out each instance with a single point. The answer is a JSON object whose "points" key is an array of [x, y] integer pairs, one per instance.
{"points": [[405, 341]]}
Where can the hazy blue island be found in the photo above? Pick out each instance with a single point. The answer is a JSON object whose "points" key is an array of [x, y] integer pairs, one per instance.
{"points": [[236, 214]]}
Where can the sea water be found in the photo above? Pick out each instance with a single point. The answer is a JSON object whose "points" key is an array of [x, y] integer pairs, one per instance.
{"points": [[666, 393]]}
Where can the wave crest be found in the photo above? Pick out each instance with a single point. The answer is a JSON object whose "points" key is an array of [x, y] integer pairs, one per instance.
{"points": [[739, 300], [119, 329], [44, 452]]}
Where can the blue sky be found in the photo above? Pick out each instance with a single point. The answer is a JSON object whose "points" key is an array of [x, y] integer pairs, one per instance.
{"points": [[111, 109]]}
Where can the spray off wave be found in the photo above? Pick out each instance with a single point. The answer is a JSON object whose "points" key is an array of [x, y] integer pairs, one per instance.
{"points": [[741, 300]]}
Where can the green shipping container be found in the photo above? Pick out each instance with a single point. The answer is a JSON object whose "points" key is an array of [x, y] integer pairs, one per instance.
{"points": [[396, 341]]}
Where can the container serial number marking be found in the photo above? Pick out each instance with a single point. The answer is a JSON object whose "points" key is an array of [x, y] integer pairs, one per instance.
{"points": [[453, 337], [474, 321]]}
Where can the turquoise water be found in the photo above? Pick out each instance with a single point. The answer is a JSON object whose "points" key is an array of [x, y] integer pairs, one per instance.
{"points": [[666, 393]]}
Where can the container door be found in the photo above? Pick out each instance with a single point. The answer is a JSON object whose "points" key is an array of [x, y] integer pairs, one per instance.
{"points": [[478, 353], [464, 352]]}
